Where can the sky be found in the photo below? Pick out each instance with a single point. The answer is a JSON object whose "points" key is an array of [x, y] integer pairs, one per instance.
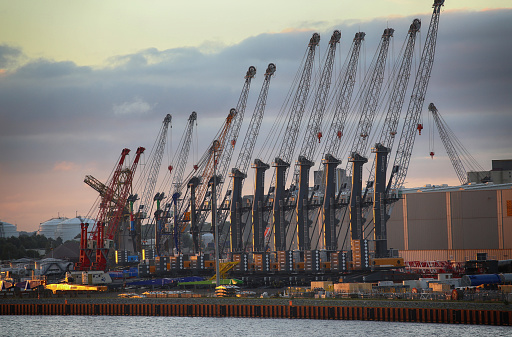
{"points": [[80, 81]]}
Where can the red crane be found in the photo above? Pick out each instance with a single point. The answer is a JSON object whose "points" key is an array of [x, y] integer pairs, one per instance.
{"points": [[109, 217]]}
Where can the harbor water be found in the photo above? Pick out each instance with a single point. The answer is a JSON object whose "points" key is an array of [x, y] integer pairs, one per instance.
{"points": [[209, 326]]}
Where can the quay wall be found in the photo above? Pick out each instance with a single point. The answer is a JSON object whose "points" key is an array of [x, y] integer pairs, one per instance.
{"points": [[420, 315]]}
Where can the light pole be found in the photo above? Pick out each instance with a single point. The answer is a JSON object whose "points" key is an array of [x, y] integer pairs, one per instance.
{"points": [[214, 213]]}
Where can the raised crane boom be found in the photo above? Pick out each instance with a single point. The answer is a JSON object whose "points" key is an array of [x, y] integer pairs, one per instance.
{"points": [[239, 172], [224, 155], [180, 159], [150, 173], [444, 133], [313, 132], [304, 163], [396, 100], [408, 135], [106, 207], [344, 88], [370, 97], [288, 144], [299, 103]]}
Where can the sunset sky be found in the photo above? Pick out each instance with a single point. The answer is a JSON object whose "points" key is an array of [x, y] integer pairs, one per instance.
{"points": [[81, 80]]}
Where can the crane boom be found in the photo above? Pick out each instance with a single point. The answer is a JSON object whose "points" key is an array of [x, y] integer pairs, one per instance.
{"points": [[313, 132], [225, 153], [299, 103], [370, 97], [458, 166], [150, 173], [344, 89], [244, 157], [180, 159], [408, 135], [304, 162]]}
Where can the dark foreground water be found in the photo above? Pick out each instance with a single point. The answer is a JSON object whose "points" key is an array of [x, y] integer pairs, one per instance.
{"points": [[208, 326]]}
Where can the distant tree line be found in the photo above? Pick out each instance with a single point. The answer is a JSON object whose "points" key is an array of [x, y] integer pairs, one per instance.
{"points": [[26, 246]]}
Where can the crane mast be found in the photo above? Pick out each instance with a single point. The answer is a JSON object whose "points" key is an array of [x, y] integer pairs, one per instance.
{"points": [[408, 135]]}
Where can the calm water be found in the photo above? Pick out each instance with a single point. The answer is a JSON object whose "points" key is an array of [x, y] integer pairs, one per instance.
{"points": [[207, 326]]}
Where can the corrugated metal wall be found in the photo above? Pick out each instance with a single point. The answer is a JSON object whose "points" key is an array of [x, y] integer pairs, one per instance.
{"points": [[476, 219], [426, 221]]}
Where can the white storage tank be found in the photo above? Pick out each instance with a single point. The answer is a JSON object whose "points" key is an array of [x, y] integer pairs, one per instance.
{"points": [[70, 228], [48, 228], [7, 230]]}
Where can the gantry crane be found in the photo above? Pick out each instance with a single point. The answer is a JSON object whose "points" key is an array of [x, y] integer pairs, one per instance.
{"points": [[206, 168], [412, 117], [223, 153], [180, 161], [310, 143], [149, 177], [368, 105], [100, 238], [282, 162], [233, 195], [344, 88], [386, 138]]}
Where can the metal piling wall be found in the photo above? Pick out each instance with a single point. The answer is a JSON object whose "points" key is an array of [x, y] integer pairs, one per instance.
{"points": [[421, 315]]}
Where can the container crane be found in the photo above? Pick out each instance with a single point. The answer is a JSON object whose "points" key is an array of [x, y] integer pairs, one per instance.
{"points": [[239, 172], [206, 167], [310, 143], [334, 135], [386, 139], [412, 117], [224, 153], [460, 158], [369, 100], [289, 140], [150, 174], [180, 161]]}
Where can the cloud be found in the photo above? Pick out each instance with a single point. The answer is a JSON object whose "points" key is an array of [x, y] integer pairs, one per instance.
{"points": [[137, 106], [8, 56], [63, 117], [65, 166]]}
